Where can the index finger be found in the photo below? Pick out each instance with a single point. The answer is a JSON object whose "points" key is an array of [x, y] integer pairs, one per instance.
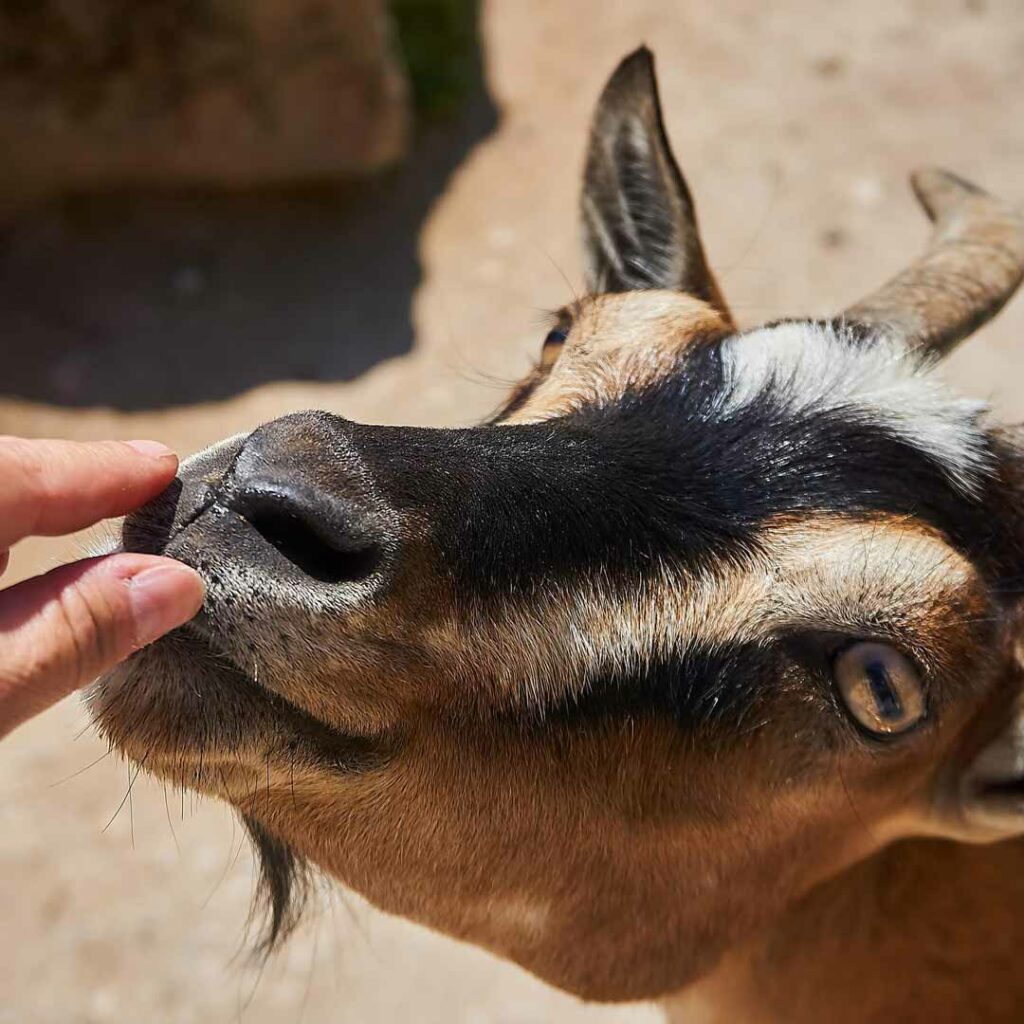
{"points": [[49, 488]]}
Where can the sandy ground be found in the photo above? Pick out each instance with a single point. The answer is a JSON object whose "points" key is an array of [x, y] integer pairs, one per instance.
{"points": [[797, 124]]}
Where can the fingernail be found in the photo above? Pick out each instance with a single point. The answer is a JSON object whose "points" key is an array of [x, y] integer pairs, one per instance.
{"points": [[163, 598], [153, 449]]}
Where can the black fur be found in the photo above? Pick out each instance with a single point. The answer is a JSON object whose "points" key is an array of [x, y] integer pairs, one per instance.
{"points": [[699, 686], [662, 475], [282, 887]]}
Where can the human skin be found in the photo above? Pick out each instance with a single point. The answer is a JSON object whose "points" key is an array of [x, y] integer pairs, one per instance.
{"points": [[59, 631]]}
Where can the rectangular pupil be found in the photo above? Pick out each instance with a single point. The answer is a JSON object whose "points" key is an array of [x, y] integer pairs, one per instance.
{"points": [[886, 697]]}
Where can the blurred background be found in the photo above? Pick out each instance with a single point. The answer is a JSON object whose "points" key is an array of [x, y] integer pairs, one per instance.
{"points": [[213, 212]]}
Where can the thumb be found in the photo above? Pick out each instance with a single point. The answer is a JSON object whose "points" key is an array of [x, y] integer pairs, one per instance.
{"points": [[62, 630]]}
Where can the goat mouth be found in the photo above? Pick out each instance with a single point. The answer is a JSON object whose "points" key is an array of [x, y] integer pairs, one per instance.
{"points": [[182, 711]]}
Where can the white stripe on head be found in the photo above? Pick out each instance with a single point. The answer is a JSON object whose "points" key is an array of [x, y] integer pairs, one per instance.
{"points": [[822, 367]]}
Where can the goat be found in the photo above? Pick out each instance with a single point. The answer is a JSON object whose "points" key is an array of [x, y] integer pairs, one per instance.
{"points": [[694, 673]]}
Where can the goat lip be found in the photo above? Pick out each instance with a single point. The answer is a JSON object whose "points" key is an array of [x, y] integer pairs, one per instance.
{"points": [[182, 711]]}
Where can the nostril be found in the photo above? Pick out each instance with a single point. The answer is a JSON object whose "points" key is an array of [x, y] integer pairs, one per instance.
{"points": [[312, 539]]}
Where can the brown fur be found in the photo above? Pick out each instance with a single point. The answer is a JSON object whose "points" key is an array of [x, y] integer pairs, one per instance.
{"points": [[618, 342], [924, 931]]}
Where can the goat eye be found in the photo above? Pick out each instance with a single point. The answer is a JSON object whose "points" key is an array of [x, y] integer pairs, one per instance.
{"points": [[880, 687], [553, 346]]}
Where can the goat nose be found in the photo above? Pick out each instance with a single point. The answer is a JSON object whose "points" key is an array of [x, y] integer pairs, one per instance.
{"points": [[308, 529], [302, 488]]}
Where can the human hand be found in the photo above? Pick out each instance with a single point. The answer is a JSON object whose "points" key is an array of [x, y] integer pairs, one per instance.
{"points": [[61, 630]]}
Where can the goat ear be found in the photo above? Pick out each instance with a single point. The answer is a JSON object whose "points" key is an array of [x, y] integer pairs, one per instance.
{"points": [[639, 226]]}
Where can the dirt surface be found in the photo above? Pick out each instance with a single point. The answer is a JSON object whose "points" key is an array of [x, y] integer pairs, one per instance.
{"points": [[797, 124]]}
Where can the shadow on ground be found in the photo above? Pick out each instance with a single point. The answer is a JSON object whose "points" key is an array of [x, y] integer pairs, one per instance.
{"points": [[147, 300]]}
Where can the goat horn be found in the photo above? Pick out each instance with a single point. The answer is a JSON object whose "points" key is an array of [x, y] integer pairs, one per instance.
{"points": [[972, 266]]}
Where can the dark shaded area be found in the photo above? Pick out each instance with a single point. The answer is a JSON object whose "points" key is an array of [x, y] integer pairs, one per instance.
{"points": [[438, 39], [145, 300]]}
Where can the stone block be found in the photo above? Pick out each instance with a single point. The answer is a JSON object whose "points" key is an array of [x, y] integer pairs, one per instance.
{"points": [[223, 93]]}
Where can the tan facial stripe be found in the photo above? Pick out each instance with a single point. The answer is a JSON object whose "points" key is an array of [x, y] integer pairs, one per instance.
{"points": [[618, 342], [884, 577]]}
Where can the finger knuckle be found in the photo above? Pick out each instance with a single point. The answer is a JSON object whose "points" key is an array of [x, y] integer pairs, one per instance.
{"points": [[84, 620]]}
